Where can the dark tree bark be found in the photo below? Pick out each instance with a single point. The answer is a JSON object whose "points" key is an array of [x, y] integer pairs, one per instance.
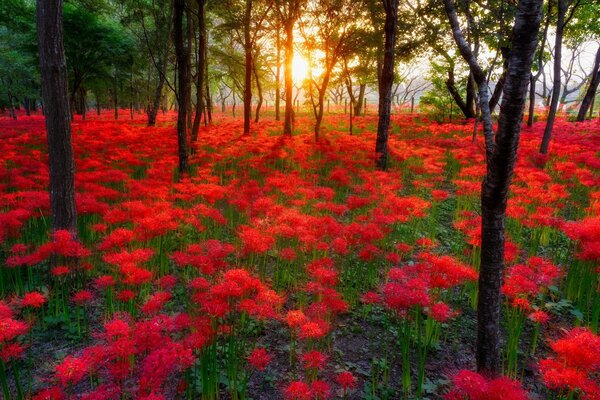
{"points": [[27, 106], [590, 93], [183, 81], [248, 68], [496, 184], [500, 161], [259, 90], [470, 95], [278, 75], [200, 67], [385, 83], [497, 92], [560, 25], [97, 103], [116, 95], [208, 98], [53, 69], [153, 108], [451, 86]]}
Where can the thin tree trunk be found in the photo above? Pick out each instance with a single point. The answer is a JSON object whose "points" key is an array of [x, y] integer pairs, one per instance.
{"points": [[247, 68], [183, 95], [97, 103], [590, 93], [278, 74], [360, 101], [153, 109], [289, 56], [53, 69], [11, 106], [451, 86], [385, 84], [116, 95], [200, 70], [560, 25], [208, 102], [497, 92], [470, 97], [259, 90]]}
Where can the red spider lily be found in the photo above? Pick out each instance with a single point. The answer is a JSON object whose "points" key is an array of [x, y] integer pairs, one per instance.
{"points": [[530, 279], [472, 386], [72, 370], [346, 380], [33, 300], [259, 358], [82, 297], [320, 390], [314, 359], [575, 364], [50, 394], [441, 312], [541, 317], [297, 390]]}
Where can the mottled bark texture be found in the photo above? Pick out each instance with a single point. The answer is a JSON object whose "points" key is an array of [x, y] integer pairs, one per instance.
{"points": [[385, 83], [495, 186], [501, 154], [53, 69]]}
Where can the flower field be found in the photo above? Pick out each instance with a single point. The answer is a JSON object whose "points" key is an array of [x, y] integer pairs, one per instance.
{"points": [[284, 268]]}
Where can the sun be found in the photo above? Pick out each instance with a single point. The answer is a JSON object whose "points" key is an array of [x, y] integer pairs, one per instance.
{"points": [[299, 68]]}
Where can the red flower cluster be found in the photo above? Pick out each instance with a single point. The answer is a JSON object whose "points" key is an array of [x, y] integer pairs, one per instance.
{"points": [[576, 364]]}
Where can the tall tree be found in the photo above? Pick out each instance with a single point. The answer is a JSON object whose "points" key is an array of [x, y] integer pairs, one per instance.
{"points": [[182, 53], [248, 68], [590, 93], [289, 12], [561, 21], [385, 83], [53, 69], [501, 154], [332, 40], [200, 67]]}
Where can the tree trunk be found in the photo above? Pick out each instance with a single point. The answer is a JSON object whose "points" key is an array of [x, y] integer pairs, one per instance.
{"points": [[259, 90], [200, 70], [385, 83], [27, 106], [289, 56], [360, 101], [53, 69], [208, 102], [247, 68], [153, 109], [591, 90], [451, 86], [496, 184], [470, 97], [531, 112], [278, 75], [497, 92], [183, 71], [116, 95], [560, 25]]}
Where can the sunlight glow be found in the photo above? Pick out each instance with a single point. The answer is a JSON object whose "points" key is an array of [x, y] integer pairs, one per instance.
{"points": [[299, 68]]}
